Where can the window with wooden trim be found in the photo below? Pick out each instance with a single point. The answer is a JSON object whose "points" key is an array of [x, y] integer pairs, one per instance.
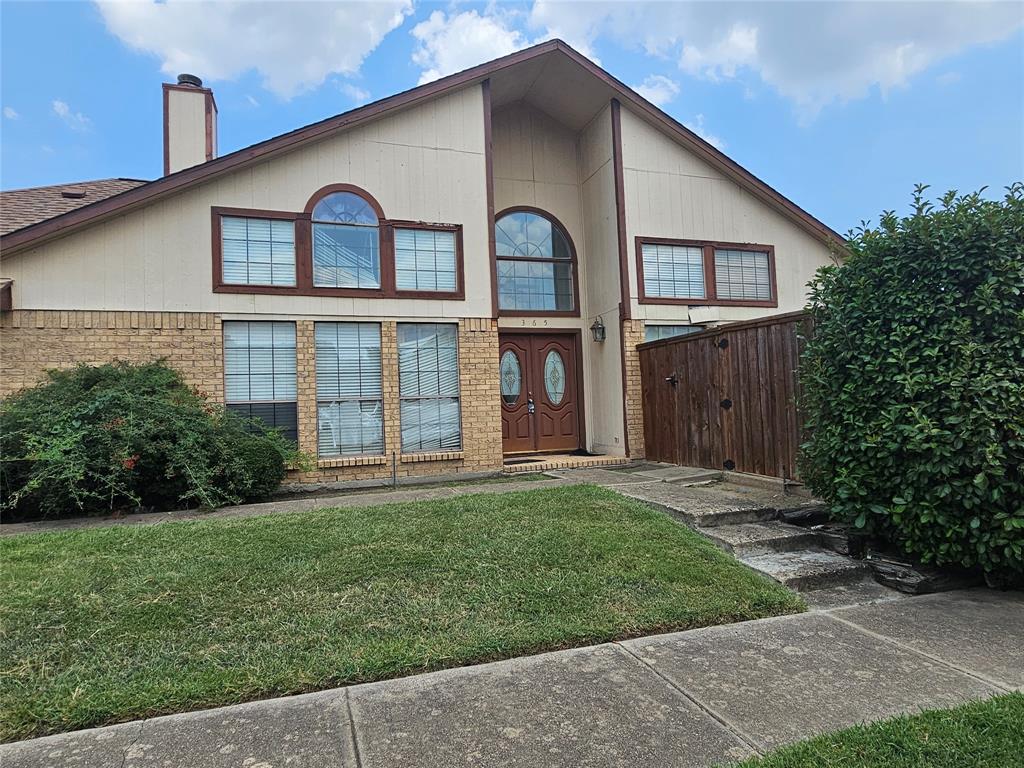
{"points": [[260, 373], [699, 272], [341, 244], [346, 242], [349, 399], [535, 264], [673, 271], [742, 274], [428, 383], [258, 251], [425, 259]]}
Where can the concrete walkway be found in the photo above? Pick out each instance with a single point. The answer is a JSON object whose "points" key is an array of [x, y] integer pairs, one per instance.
{"points": [[697, 698]]}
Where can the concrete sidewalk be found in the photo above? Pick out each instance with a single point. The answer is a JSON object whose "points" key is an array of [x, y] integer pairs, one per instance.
{"points": [[697, 698]]}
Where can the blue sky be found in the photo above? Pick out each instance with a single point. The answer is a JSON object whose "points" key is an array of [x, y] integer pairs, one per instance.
{"points": [[842, 107]]}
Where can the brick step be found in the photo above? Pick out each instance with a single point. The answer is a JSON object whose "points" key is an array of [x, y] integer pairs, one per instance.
{"points": [[752, 539], [808, 569]]}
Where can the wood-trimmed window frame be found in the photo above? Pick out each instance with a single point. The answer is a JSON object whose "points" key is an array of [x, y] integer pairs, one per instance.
{"points": [[710, 290], [304, 252], [573, 259]]}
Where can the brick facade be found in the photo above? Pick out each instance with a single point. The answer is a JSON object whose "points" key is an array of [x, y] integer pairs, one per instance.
{"points": [[33, 341], [633, 334]]}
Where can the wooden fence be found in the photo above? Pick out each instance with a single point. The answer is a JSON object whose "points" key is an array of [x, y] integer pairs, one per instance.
{"points": [[725, 398]]}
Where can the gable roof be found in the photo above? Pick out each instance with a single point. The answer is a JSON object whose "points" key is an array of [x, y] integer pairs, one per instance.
{"points": [[175, 182], [25, 207]]}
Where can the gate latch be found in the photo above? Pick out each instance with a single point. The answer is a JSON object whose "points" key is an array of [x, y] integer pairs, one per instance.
{"points": [[673, 380]]}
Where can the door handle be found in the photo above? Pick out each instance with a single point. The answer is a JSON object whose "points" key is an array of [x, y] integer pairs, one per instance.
{"points": [[530, 407]]}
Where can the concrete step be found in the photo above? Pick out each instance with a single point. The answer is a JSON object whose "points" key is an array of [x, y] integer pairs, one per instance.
{"points": [[684, 475], [808, 569], [752, 539]]}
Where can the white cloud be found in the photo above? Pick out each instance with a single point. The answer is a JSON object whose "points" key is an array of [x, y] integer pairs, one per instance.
{"points": [[76, 121], [811, 53], [355, 93], [658, 89], [10, 113], [293, 45], [697, 126], [449, 44]]}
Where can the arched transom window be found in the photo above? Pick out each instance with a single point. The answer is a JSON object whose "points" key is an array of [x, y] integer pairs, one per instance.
{"points": [[346, 242], [535, 263]]}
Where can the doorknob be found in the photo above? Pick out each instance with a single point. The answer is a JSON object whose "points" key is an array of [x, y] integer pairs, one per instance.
{"points": [[530, 407]]}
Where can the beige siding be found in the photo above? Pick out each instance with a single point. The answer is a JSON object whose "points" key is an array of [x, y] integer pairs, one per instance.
{"points": [[186, 128], [670, 192], [425, 163], [600, 226], [541, 163]]}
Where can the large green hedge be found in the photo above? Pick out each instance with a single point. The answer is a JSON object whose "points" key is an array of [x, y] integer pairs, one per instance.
{"points": [[119, 437], [913, 382]]}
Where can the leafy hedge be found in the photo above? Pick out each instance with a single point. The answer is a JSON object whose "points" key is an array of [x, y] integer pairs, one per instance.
{"points": [[914, 382], [120, 436]]}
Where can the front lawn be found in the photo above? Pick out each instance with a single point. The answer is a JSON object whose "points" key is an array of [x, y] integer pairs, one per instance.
{"points": [[109, 624], [984, 734]]}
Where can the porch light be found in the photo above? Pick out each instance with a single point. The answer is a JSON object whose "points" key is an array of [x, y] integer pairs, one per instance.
{"points": [[598, 329]]}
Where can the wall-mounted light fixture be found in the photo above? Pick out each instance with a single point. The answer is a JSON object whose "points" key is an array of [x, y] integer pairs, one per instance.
{"points": [[598, 329]]}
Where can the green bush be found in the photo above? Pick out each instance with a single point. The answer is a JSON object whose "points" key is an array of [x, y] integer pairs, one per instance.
{"points": [[118, 437], [913, 382]]}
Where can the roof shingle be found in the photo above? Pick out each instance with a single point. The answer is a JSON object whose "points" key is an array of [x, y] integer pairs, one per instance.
{"points": [[24, 207]]}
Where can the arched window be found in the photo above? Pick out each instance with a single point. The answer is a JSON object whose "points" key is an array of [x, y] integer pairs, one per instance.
{"points": [[535, 263], [346, 240]]}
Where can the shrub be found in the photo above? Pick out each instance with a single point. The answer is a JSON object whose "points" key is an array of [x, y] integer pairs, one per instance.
{"points": [[914, 382], [120, 436]]}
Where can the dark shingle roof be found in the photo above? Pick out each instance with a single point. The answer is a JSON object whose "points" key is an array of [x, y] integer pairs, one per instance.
{"points": [[23, 207]]}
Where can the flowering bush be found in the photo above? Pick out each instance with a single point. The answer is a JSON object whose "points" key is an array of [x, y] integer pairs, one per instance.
{"points": [[119, 437]]}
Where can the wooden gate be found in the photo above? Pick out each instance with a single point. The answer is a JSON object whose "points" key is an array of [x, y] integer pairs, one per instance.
{"points": [[725, 398]]}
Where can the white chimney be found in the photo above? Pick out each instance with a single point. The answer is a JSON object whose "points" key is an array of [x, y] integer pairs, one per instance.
{"points": [[190, 124]]}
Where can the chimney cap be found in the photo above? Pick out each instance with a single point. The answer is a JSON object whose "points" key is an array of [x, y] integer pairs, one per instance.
{"points": [[190, 80]]}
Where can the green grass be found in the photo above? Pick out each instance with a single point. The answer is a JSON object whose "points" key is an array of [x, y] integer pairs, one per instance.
{"points": [[984, 734], [109, 624]]}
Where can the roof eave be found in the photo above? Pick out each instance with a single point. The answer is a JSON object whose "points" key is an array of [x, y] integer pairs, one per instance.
{"points": [[35, 234]]}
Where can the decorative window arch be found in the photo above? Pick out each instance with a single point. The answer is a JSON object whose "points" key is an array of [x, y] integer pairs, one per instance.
{"points": [[340, 244], [345, 237], [536, 264]]}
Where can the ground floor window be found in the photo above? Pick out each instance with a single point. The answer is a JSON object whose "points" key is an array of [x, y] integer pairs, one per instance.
{"points": [[349, 399], [428, 382], [655, 332], [259, 372]]}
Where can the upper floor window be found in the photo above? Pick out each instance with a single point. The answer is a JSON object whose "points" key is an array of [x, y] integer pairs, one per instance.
{"points": [[346, 242], [425, 260], [535, 264], [694, 272], [340, 244], [256, 250]]}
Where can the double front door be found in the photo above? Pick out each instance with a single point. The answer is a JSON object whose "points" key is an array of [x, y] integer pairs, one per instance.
{"points": [[539, 392]]}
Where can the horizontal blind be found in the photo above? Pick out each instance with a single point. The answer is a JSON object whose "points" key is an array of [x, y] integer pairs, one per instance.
{"points": [[742, 275], [260, 373], [346, 256], [425, 260], [673, 271], [428, 381], [350, 408], [257, 251]]}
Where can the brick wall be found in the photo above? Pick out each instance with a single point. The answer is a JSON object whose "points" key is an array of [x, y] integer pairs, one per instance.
{"points": [[33, 341], [633, 334]]}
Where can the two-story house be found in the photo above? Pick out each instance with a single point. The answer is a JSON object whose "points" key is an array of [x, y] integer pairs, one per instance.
{"points": [[446, 278]]}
